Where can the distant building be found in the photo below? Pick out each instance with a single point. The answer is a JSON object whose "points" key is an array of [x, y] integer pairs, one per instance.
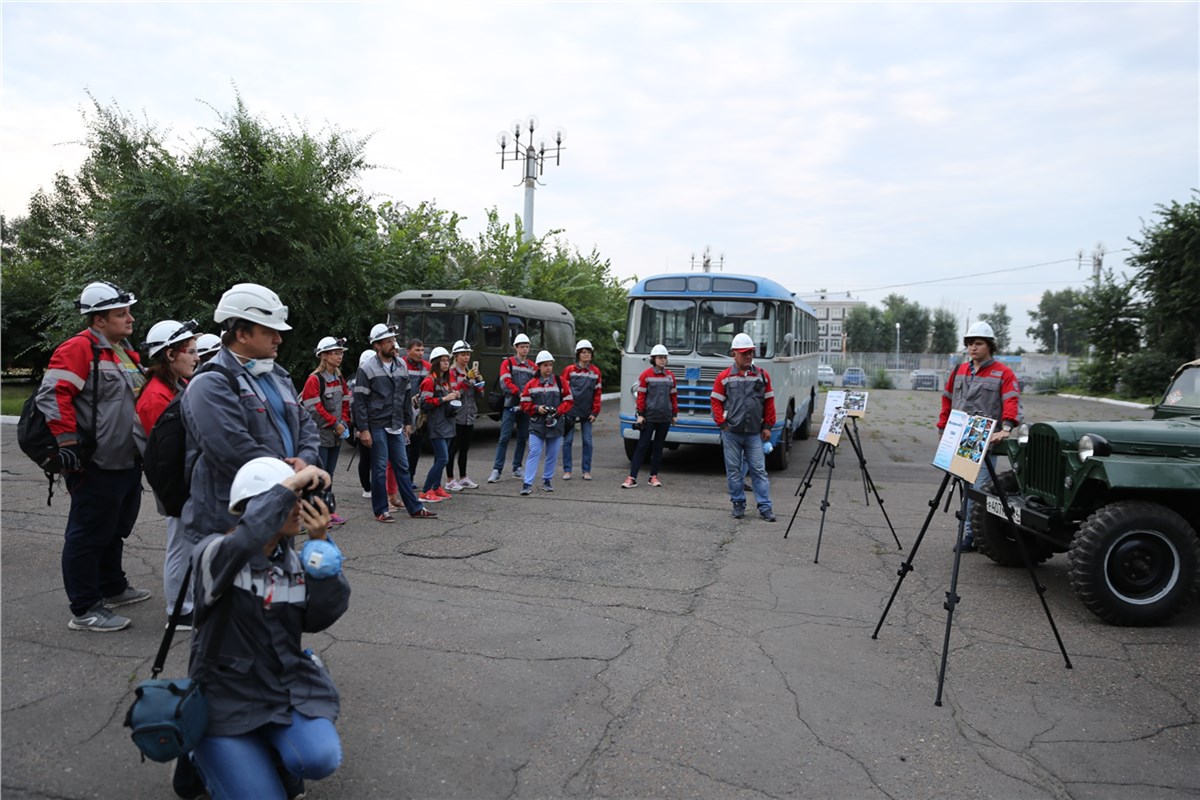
{"points": [[832, 311]]}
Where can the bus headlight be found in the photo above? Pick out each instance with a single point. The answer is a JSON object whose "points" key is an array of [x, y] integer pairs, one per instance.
{"points": [[1023, 433], [1091, 444]]}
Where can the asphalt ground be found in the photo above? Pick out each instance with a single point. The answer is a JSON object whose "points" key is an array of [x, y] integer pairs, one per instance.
{"points": [[606, 643]]}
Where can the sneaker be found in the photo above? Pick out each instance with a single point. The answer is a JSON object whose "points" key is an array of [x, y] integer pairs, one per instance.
{"points": [[587, 476], [127, 597], [424, 513], [100, 619], [654, 481], [429, 497], [767, 514], [967, 547], [186, 781], [454, 486], [527, 489], [518, 472], [442, 493], [185, 622], [337, 519], [566, 476], [494, 477], [467, 483], [547, 486], [366, 493], [629, 483], [385, 517], [395, 502], [738, 512]]}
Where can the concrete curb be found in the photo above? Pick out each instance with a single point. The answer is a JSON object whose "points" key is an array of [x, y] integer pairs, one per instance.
{"points": [[1122, 403]]}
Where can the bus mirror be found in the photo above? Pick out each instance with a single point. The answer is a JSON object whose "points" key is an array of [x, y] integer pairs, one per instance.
{"points": [[616, 336]]}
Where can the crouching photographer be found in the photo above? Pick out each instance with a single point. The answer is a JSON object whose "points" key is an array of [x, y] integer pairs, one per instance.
{"points": [[271, 706]]}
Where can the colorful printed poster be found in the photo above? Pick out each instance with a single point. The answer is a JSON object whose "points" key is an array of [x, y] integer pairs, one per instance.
{"points": [[834, 418], [963, 445], [856, 404]]}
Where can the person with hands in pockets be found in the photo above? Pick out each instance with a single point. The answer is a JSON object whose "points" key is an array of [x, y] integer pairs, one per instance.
{"points": [[657, 411], [743, 407], [544, 400], [271, 706], [583, 378]]}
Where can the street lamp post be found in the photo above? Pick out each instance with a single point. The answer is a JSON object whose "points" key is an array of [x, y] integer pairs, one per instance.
{"points": [[1056, 355], [534, 159], [897, 345]]}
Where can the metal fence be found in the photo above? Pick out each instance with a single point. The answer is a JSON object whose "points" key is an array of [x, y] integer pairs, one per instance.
{"points": [[898, 367]]}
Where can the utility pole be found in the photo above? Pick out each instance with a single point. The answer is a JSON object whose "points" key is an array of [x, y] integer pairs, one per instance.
{"points": [[706, 260], [534, 159]]}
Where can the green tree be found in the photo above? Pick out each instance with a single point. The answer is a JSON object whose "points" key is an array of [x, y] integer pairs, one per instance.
{"points": [[1065, 308], [1112, 319], [914, 324], [944, 336], [1000, 321], [1168, 261], [865, 332]]}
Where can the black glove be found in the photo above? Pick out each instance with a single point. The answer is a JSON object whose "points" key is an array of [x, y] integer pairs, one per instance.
{"points": [[70, 459]]}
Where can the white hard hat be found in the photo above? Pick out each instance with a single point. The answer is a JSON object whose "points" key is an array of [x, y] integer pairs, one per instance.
{"points": [[364, 357], [742, 342], [253, 303], [460, 347], [659, 350], [255, 477], [980, 330], [543, 357], [207, 343], [583, 344], [521, 339], [102, 296], [328, 344], [381, 331], [438, 352], [166, 333]]}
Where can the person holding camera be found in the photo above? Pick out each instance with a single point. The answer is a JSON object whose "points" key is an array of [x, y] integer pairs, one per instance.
{"points": [[88, 395], [440, 403], [469, 384], [657, 411], [543, 401], [327, 400], [515, 372], [271, 704], [584, 379]]}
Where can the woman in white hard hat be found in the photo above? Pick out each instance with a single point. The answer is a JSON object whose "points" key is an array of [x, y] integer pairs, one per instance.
{"points": [[584, 379], [271, 715], [327, 399], [470, 384], [544, 400], [170, 349], [439, 403], [207, 346], [657, 411]]}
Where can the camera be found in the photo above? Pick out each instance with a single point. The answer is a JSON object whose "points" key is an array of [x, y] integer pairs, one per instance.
{"points": [[637, 426], [326, 495]]}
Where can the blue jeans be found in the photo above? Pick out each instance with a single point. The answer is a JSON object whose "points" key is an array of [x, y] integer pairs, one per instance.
{"points": [[329, 457], [747, 447], [389, 448], [585, 429], [104, 507], [441, 457], [244, 766], [536, 446], [512, 416], [968, 532]]}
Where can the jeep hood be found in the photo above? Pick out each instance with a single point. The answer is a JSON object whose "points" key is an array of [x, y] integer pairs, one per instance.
{"points": [[1133, 435]]}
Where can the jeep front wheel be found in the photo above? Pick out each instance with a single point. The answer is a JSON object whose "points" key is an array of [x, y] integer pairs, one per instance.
{"points": [[1134, 563], [995, 538]]}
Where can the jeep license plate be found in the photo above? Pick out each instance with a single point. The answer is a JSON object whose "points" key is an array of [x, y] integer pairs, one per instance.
{"points": [[994, 506]]}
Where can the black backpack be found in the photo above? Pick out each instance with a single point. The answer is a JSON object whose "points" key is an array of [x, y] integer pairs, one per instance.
{"points": [[34, 436], [165, 459]]}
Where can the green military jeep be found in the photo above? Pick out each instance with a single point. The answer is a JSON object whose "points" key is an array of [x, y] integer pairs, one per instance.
{"points": [[1121, 499]]}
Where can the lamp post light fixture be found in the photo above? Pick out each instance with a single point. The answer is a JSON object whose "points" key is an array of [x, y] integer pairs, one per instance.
{"points": [[1056, 355], [534, 159], [897, 345]]}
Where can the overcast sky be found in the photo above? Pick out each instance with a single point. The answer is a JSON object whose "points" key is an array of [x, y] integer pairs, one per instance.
{"points": [[850, 147]]}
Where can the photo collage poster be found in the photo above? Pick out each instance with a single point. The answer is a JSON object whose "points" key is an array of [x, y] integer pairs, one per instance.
{"points": [[963, 445]]}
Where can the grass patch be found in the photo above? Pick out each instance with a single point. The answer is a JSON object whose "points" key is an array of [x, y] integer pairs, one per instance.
{"points": [[12, 397]]}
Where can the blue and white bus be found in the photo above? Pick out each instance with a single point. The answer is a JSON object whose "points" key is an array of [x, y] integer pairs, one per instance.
{"points": [[695, 316]]}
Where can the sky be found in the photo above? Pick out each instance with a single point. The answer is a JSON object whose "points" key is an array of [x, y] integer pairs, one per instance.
{"points": [[867, 148]]}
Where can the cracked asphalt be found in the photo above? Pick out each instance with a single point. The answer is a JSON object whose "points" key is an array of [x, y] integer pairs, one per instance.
{"points": [[642, 644]]}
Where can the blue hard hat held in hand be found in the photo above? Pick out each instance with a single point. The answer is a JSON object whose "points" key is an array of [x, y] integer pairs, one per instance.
{"points": [[321, 558]]}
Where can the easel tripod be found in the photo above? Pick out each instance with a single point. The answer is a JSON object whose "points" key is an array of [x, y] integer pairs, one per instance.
{"points": [[825, 454], [952, 597]]}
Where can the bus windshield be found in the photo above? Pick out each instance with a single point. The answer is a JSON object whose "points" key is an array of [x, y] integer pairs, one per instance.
{"points": [[720, 320], [661, 321]]}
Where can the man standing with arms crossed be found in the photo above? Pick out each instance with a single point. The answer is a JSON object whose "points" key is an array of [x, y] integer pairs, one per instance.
{"points": [[515, 371], [982, 386], [743, 406]]}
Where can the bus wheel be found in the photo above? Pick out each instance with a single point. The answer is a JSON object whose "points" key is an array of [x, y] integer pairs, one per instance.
{"points": [[803, 432], [778, 460]]}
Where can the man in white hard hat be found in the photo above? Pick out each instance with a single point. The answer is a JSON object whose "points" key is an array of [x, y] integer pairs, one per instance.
{"points": [[88, 395], [515, 371], [743, 406], [227, 429], [584, 380], [981, 385]]}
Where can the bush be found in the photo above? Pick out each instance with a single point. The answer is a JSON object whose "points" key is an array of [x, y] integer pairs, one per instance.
{"points": [[1146, 374], [882, 379], [1097, 377]]}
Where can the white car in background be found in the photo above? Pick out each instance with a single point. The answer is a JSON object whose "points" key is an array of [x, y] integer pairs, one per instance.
{"points": [[825, 375]]}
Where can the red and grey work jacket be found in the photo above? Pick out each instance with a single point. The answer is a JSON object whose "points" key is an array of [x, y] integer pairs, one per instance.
{"points": [[990, 391]]}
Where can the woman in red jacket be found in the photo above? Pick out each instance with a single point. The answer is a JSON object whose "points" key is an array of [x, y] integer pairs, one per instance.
{"points": [[170, 348], [327, 400]]}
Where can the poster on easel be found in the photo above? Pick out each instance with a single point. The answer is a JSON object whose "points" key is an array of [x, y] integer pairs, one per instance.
{"points": [[833, 421], [856, 404], [963, 445]]}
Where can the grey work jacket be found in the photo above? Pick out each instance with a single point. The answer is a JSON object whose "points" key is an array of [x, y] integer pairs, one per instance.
{"points": [[438, 422], [382, 396], [224, 431], [258, 672]]}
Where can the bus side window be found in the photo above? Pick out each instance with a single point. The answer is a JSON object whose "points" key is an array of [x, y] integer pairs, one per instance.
{"points": [[516, 326], [493, 332], [533, 329]]}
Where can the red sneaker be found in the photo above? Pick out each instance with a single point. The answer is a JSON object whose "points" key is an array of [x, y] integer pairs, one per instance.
{"points": [[424, 513], [442, 493]]}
